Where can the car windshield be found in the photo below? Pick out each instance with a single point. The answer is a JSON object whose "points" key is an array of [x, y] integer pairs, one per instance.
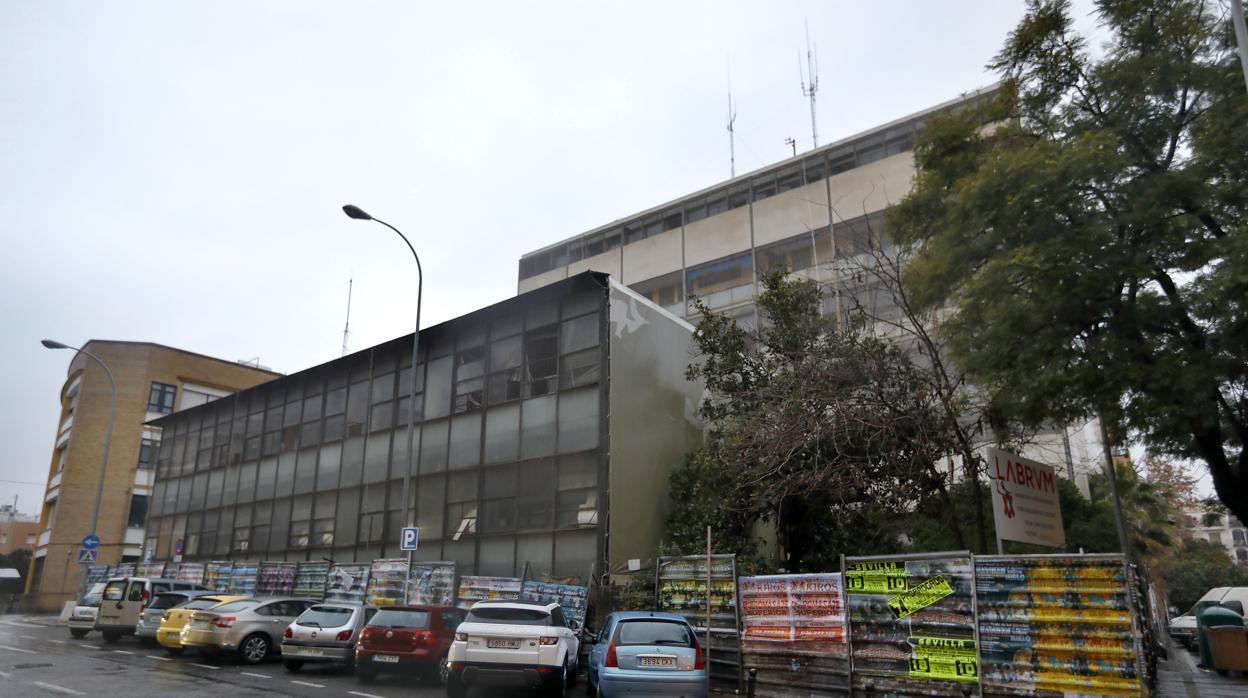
{"points": [[325, 617], [393, 618], [654, 632], [509, 616], [90, 600], [240, 605], [163, 601]]}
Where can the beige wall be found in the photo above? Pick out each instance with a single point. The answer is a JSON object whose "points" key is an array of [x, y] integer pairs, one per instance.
{"points": [[135, 367], [652, 257]]}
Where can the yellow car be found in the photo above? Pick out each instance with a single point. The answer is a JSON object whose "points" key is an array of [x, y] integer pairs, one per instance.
{"points": [[172, 622]]}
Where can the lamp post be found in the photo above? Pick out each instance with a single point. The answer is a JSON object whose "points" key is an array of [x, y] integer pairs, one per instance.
{"points": [[108, 435], [408, 513]]}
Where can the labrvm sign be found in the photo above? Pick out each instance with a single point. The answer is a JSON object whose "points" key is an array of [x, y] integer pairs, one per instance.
{"points": [[1025, 504]]}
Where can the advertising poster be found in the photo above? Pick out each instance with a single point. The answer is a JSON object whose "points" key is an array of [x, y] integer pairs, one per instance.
{"points": [[570, 597], [912, 619], [310, 578], [192, 572], [807, 609], [347, 583], [387, 582], [431, 583], [681, 588], [125, 569], [474, 589], [243, 578], [97, 574], [276, 578], [217, 576], [151, 570], [1056, 626]]}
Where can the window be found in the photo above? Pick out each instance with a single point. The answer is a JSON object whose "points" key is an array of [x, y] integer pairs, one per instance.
{"points": [[138, 511], [723, 282], [147, 454], [794, 254], [541, 347], [505, 365], [161, 398], [469, 380], [667, 290]]}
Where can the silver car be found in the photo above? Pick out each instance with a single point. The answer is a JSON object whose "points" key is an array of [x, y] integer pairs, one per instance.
{"points": [[251, 627], [150, 616], [82, 619], [326, 632]]}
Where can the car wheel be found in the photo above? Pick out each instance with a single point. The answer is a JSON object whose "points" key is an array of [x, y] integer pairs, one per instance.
{"points": [[111, 636], [572, 678], [455, 688], [254, 648], [444, 669], [293, 664], [78, 632], [559, 689]]}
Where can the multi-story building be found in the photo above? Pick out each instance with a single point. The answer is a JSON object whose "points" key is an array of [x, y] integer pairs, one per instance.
{"points": [[17, 530], [152, 380], [1223, 529], [545, 429], [819, 214]]}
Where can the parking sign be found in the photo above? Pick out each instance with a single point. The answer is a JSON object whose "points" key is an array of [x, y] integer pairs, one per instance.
{"points": [[411, 536]]}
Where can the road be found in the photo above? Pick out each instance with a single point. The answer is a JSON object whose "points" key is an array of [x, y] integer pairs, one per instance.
{"points": [[39, 659]]}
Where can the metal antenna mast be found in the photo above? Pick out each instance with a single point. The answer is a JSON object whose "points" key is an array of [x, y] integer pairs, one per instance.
{"points": [[809, 88], [346, 330], [732, 136]]}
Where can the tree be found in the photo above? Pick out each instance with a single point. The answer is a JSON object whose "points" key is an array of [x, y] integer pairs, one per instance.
{"points": [[1088, 226], [1198, 567]]}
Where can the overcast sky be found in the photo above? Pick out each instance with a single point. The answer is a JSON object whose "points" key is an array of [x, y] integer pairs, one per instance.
{"points": [[173, 171]]}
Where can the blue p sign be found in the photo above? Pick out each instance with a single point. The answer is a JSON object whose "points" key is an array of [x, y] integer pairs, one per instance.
{"points": [[410, 537]]}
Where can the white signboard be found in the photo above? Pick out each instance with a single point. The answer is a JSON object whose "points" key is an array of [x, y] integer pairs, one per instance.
{"points": [[1025, 505]]}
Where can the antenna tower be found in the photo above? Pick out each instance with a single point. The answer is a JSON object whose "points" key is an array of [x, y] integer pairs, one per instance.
{"points": [[811, 86], [346, 330], [732, 136]]}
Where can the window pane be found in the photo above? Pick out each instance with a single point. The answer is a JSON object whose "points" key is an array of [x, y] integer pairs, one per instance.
{"points": [[575, 553], [305, 472], [535, 550], [285, 475], [502, 434], [433, 436], [537, 437], [376, 457], [505, 353], [578, 420], [327, 467], [498, 557], [430, 504], [265, 478], [540, 355], [353, 461], [578, 334], [465, 441], [357, 408], [438, 388], [579, 369]]}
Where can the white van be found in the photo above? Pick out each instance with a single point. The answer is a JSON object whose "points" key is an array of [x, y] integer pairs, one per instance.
{"points": [[124, 599], [1183, 628]]}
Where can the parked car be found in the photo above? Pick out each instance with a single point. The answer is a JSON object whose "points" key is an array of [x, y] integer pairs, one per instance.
{"points": [[402, 639], [650, 654], [124, 600], [169, 634], [326, 632], [252, 627], [149, 620], [520, 645], [82, 619], [1183, 628]]}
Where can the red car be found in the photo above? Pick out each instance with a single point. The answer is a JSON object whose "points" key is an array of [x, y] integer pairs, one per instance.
{"points": [[407, 639]]}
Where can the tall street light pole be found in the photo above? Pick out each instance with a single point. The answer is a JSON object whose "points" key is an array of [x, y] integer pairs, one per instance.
{"points": [[108, 435], [408, 512]]}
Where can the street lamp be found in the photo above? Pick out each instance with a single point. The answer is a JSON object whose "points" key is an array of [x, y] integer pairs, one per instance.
{"points": [[108, 435], [359, 214]]}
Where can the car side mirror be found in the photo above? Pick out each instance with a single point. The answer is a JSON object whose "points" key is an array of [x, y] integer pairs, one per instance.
{"points": [[574, 625]]}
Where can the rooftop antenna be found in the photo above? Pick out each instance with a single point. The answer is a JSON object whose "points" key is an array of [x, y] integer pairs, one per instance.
{"points": [[792, 144], [346, 330], [732, 136], [811, 86]]}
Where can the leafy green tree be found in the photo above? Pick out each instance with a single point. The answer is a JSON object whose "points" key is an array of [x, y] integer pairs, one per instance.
{"points": [[1088, 227], [1197, 567]]}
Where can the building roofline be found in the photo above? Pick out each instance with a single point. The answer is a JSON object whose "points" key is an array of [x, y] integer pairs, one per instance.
{"points": [[180, 351], [964, 98]]}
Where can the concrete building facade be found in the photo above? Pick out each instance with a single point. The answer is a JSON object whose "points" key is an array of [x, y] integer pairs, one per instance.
{"points": [[819, 214], [152, 380], [545, 429], [17, 530], [1222, 529]]}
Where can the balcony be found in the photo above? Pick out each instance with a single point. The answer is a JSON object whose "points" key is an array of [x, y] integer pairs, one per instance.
{"points": [[67, 423], [134, 536], [144, 477], [44, 537]]}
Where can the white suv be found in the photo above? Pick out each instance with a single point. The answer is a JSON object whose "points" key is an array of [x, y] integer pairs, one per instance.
{"points": [[520, 645]]}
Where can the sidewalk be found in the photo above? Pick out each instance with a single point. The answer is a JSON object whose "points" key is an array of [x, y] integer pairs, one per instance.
{"points": [[1180, 678]]}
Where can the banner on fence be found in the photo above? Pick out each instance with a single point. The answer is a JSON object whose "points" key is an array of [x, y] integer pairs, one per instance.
{"points": [[912, 618], [1057, 625], [191, 572], [217, 575], [681, 587], [794, 608], [474, 589], [276, 578], [571, 598], [431, 583], [125, 569], [310, 579], [347, 583], [97, 574], [243, 578], [151, 570], [387, 582]]}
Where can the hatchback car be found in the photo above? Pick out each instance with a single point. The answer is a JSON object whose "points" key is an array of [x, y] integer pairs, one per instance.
{"points": [[82, 619], [149, 620], [513, 644], [326, 632], [252, 627], [401, 639], [169, 634], [650, 654]]}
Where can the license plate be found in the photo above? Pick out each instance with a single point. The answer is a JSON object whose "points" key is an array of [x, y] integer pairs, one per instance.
{"points": [[309, 652], [503, 644], [656, 661], [385, 658]]}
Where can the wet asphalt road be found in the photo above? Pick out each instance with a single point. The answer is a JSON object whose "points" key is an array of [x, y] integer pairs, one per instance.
{"points": [[39, 659]]}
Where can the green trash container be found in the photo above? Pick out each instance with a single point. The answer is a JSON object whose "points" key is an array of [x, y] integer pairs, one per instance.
{"points": [[1214, 616]]}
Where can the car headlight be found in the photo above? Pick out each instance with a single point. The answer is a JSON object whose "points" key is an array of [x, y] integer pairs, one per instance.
{"points": [[461, 636]]}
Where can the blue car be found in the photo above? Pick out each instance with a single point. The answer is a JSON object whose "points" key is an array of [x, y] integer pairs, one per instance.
{"points": [[640, 653]]}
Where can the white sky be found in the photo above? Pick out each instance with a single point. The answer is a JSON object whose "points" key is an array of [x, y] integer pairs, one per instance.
{"points": [[173, 171]]}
